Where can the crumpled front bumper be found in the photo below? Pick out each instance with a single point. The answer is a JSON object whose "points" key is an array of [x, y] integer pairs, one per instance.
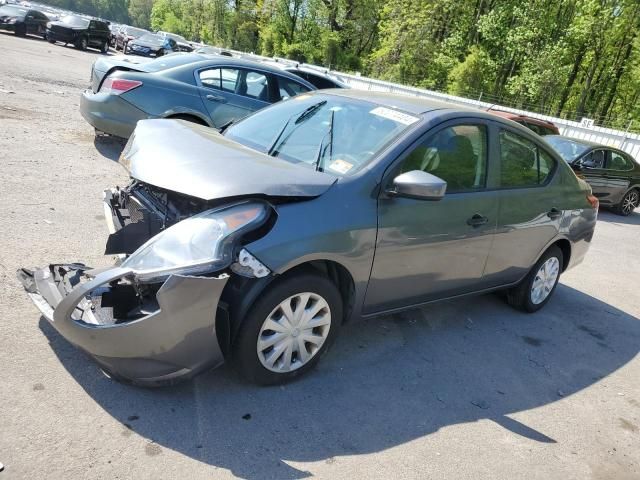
{"points": [[171, 338]]}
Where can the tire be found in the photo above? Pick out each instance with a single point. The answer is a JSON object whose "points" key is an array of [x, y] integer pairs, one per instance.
{"points": [[81, 44], [21, 30], [628, 203], [105, 47], [523, 296], [290, 291], [49, 39]]}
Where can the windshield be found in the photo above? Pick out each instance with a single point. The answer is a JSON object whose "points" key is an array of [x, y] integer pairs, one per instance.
{"points": [[12, 12], [75, 21], [568, 149], [334, 134]]}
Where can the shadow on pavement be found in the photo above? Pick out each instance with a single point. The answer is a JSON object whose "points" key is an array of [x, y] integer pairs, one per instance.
{"points": [[387, 381], [610, 217], [109, 147]]}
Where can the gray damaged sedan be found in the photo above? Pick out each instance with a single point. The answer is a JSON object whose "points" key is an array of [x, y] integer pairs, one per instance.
{"points": [[257, 244]]}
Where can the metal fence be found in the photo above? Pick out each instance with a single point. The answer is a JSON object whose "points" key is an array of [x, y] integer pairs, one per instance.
{"points": [[626, 141]]}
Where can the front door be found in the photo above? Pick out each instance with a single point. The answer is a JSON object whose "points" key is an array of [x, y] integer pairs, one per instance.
{"points": [[233, 93], [426, 250]]}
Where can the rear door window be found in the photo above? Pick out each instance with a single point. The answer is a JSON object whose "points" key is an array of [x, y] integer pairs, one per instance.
{"points": [[248, 83], [522, 162], [619, 162], [289, 88], [225, 79]]}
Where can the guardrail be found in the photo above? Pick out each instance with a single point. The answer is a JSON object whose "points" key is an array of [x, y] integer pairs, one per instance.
{"points": [[626, 141]]}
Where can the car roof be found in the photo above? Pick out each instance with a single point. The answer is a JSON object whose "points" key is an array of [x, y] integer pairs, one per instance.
{"points": [[207, 59], [411, 104]]}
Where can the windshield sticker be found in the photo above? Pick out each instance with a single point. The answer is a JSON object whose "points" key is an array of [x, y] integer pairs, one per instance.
{"points": [[394, 115], [340, 166]]}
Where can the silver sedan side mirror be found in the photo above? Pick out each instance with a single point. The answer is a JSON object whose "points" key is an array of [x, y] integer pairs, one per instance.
{"points": [[418, 184]]}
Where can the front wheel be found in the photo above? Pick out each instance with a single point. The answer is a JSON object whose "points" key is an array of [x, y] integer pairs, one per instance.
{"points": [[288, 329], [629, 203], [21, 30], [535, 290], [105, 47]]}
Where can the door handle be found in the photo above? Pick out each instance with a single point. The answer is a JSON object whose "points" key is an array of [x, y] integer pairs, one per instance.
{"points": [[216, 98], [477, 220], [554, 213]]}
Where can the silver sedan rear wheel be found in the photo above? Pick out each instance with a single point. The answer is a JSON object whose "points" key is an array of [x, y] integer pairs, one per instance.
{"points": [[294, 332], [545, 280]]}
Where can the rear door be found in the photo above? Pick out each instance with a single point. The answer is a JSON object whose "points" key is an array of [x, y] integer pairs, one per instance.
{"points": [[619, 171], [593, 167], [530, 206], [231, 93], [427, 250]]}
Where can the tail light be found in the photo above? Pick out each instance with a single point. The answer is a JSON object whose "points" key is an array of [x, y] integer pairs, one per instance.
{"points": [[117, 86], [593, 200]]}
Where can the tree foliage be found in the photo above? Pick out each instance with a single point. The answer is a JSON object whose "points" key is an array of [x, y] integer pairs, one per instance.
{"points": [[569, 58]]}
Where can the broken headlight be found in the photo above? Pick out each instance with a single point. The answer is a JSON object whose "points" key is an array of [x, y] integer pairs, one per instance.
{"points": [[197, 245]]}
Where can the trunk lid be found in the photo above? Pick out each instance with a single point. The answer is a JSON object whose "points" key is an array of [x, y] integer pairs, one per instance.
{"points": [[199, 162], [105, 65]]}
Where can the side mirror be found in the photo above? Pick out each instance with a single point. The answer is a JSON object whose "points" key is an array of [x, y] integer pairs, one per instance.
{"points": [[418, 184]]}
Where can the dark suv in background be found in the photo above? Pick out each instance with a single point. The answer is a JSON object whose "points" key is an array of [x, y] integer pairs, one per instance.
{"points": [[81, 32]]}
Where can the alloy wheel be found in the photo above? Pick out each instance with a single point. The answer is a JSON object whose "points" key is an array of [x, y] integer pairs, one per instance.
{"points": [[293, 333], [630, 202], [545, 280]]}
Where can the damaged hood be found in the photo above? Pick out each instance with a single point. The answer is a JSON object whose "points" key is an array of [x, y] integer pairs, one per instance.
{"points": [[200, 162]]}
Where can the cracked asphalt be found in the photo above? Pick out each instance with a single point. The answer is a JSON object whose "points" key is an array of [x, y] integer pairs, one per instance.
{"points": [[461, 389]]}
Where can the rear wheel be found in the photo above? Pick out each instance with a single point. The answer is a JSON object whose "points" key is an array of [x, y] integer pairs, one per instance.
{"points": [[628, 203], [21, 30], [81, 44], [535, 290], [288, 329], [105, 47]]}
